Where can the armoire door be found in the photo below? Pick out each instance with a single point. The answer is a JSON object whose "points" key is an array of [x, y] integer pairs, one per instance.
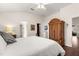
{"points": [[52, 31], [56, 31]]}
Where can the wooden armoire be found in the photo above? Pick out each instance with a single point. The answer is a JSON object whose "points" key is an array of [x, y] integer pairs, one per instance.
{"points": [[56, 30]]}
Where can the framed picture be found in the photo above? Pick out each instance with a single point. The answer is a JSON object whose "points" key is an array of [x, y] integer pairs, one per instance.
{"points": [[45, 28], [32, 27]]}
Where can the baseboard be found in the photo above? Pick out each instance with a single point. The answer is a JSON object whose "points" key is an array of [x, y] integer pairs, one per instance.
{"points": [[68, 45]]}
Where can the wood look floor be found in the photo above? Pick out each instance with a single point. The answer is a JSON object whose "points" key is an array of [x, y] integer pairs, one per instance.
{"points": [[74, 50]]}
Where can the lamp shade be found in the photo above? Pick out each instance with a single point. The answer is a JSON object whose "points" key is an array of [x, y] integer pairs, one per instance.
{"points": [[9, 29]]}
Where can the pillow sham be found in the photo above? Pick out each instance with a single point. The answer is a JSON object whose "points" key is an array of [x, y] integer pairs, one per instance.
{"points": [[9, 39]]}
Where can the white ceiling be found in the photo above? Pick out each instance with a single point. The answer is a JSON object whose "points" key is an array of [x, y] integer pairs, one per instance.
{"points": [[51, 8]]}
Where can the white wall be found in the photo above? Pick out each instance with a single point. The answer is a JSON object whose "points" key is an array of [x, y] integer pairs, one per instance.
{"points": [[66, 14], [15, 18]]}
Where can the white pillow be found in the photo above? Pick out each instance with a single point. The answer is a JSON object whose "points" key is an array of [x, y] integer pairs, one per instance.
{"points": [[3, 44]]}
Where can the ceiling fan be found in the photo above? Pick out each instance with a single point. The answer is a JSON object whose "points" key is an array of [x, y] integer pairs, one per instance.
{"points": [[40, 6]]}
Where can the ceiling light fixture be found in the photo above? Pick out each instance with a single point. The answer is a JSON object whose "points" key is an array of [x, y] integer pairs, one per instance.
{"points": [[41, 6]]}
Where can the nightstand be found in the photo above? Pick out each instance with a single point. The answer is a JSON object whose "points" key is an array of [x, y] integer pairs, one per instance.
{"points": [[14, 35]]}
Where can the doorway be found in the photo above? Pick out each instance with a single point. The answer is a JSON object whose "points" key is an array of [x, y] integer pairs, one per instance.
{"points": [[75, 31]]}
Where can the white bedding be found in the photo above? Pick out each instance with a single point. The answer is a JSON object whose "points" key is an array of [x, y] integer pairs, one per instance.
{"points": [[33, 46]]}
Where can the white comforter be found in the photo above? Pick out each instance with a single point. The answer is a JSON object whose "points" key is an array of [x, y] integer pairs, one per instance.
{"points": [[33, 46]]}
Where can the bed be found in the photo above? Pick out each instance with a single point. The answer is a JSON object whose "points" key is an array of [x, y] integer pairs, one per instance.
{"points": [[33, 46]]}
